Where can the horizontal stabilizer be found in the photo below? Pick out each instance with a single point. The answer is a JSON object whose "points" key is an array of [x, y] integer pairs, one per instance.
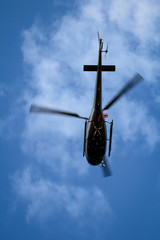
{"points": [[107, 68]]}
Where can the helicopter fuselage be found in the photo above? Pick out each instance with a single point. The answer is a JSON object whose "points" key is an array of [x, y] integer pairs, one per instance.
{"points": [[95, 132]]}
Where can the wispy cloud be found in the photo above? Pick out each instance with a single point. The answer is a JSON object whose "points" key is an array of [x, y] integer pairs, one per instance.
{"points": [[44, 198], [139, 18], [55, 78], [158, 99]]}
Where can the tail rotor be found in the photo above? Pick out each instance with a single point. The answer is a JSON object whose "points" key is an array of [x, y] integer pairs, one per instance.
{"points": [[106, 168]]}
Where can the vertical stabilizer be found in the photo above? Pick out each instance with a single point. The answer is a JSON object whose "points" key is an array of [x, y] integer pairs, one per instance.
{"points": [[100, 41]]}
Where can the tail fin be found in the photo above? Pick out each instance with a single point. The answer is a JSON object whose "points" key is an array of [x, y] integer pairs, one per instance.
{"points": [[99, 36], [100, 41]]}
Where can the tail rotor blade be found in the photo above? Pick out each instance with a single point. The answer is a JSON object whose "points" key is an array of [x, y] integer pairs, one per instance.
{"points": [[136, 79], [40, 109], [106, 169]]}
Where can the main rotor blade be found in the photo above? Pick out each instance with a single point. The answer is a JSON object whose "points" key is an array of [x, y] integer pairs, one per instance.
{"points": [[136, 79], [106, 169], [40, 109]]}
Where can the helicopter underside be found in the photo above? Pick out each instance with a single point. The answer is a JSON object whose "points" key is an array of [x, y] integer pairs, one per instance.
{"points": [[95, 151]]}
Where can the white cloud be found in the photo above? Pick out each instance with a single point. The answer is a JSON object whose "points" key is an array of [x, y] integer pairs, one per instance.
{"points": [[44, 198], [138, 17]]}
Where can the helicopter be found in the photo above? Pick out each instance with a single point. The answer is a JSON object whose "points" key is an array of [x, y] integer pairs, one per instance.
{"points": [[95, 133]]}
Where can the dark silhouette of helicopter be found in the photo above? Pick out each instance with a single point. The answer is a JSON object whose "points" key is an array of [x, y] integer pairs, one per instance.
{"points": [[95, 134]]}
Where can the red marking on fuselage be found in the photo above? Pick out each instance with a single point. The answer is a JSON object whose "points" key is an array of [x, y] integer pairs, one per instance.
{"points": [[105, 115]]}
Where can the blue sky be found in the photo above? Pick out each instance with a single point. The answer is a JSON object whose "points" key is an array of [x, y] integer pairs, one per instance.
{"points": [[47, 189]]}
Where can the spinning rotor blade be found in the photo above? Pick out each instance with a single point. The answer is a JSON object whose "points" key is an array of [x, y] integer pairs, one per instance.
{"points": [[136, 79], [106, 169], [40, 109]]}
